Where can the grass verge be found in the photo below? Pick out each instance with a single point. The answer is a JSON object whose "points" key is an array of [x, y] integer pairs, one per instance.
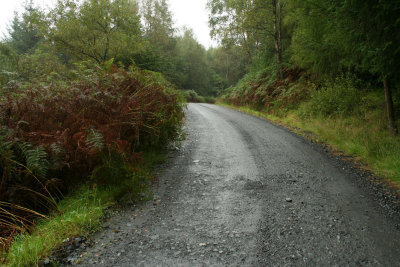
{"points": [[79, 214], [365, 139]]}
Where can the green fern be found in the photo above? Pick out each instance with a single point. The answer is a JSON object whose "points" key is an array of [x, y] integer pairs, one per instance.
{"points": [[95, 140], [5, 146], [35, 159]]}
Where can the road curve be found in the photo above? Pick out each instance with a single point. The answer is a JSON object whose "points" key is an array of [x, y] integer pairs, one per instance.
{"points": [[243, 192]]}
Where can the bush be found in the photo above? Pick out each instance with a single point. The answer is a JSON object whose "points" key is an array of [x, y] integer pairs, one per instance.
{"points": [[340, 97], [192, 96], [262, 90], [55, 135], [210, 99]]}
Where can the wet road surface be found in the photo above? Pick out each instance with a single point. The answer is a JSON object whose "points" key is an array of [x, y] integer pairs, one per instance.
{"points": [[243, 192]]}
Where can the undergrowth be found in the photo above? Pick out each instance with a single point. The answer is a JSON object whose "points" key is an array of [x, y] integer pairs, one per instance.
{"points": [[81, 212], [193, 97], [92, 128]]}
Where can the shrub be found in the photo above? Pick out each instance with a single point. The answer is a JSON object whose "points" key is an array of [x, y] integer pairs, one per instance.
{"points": [[192, 96], [340, 97], [58, 133], [262, 90], [210, 99]]}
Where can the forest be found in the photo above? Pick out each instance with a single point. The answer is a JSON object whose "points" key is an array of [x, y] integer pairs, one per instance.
{"points": [[90, 89], [326, 69]]}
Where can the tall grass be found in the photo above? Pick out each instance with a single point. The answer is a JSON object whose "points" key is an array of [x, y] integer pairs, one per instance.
{"points": [[365, 138], [80, 213]]}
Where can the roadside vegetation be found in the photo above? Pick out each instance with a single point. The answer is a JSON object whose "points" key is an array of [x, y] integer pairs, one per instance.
{"points": [[330, 68], [82, 120]]}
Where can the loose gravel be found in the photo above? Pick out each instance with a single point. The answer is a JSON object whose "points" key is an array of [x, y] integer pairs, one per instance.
{"points": [[243, 192]]}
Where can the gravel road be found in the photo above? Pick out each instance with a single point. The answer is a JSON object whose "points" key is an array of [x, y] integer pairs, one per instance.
{"points": [[243, 192]]}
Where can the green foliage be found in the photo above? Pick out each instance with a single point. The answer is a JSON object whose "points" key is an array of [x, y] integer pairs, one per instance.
{"points": [[197, 74], [261, 89], [8, 63], [131, 181], [192, 96], [316, 43], [332, 36], [25, 32], [229, 64], [240, 22], [81, 212], [326, 39], [42, 65], [35, 159], [95, 140], [79, 215], [96, 30], [339, 97]]}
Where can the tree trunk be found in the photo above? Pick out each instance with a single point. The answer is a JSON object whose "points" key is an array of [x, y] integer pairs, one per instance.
{"points": [[389, 106], [277, 37]]}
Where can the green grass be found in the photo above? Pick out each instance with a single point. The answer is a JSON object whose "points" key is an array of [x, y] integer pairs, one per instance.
{"points": [[79, 214], [365, 138]]}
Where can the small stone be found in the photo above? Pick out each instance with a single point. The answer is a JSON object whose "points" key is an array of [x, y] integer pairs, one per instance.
{"points": [[288, 199], [196, 161], [202, 244], [154, 237], [46, 262]]}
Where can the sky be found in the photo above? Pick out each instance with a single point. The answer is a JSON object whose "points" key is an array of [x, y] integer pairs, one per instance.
{"points": [[190, 13]]}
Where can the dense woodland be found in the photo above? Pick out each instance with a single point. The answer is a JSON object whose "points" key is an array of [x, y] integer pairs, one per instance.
{"points": [[87, 86], [319, 40]]}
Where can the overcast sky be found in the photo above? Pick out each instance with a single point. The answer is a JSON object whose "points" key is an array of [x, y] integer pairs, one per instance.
{"points": [[191, 13]]}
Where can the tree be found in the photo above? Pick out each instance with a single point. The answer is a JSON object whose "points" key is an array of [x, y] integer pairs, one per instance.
{"points": [[25, 31], [196, 71], [97, 29], [277, 22], [372, 29], [228, 63], [359, 36], [233, 23], [159, 34], [158, 25], [254, 25]]}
